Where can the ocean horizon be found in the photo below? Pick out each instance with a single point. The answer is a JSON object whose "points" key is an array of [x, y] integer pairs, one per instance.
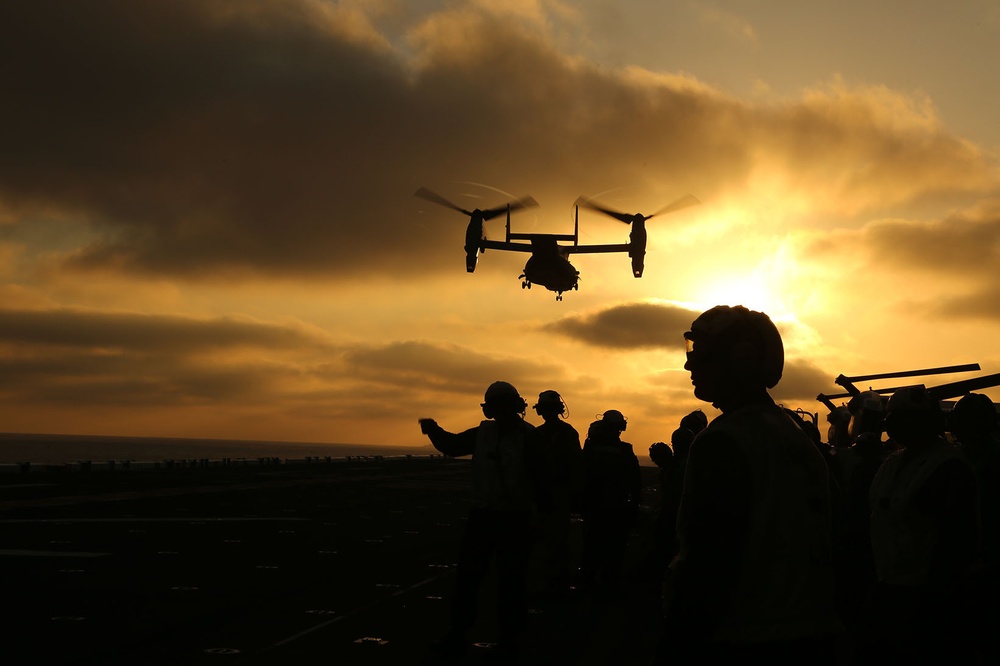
{"points": [[51, 449]]}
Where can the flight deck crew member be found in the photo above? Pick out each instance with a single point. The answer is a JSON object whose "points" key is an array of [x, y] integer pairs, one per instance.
{"points": [[506, 488], [612, 483], [753, 576], [925, 537], [559, 442]]}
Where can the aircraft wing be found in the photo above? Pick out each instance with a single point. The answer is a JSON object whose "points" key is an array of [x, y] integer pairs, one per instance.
{"points": [[594, 249], [510, 247]]}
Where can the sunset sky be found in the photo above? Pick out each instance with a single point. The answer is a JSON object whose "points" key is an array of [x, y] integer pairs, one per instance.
{"points": [[208, 228]]}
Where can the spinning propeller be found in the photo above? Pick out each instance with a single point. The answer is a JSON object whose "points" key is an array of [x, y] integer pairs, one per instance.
{"points": [[474, 233], [637, 235], [683, 202]]}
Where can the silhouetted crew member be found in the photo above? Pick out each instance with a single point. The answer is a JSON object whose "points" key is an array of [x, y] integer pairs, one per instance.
{"points": [[695, 421], [663, 546], [505, 491], [973, 421], [560, 444], [924, 528], [753, 577], [671, 478], [610, 502]]}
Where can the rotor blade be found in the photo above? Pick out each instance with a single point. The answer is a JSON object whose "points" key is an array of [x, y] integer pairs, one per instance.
{"points": [[524, 202], [683, 202], [424, 193], [587, 203]]}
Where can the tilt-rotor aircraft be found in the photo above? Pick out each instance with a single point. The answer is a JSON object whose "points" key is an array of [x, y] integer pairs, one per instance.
{"points": [[549, 264]]}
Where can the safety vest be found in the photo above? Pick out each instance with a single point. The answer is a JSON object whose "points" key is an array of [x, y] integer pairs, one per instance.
{"points": [[500, 475], [785, 587], [903, 538]]}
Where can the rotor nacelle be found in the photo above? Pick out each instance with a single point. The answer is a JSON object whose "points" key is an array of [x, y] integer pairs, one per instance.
{"points": [[474, 237], [637, 221]]}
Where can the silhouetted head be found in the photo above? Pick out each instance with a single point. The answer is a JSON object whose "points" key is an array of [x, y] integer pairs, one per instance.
{"points": [[614, 420], [550, 403], [660, 454], [597, 433], [867, 413], [807, 425], [681, 440], [913, 416], [839, 433], [973, 417], [696, 421], [503, 402], [733, 351]]}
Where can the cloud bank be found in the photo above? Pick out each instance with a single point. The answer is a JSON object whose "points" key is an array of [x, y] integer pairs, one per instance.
{"points": [[270, 137]]}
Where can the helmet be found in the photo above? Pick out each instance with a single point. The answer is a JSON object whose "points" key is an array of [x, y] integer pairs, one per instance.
{"points": [[867, 412], [550, 401], [975, 414], [502, 395], [913, 413], [680, 441], [613, 417], [748, 338], [696, 421]]}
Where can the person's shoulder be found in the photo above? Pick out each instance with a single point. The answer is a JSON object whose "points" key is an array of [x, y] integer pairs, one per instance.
{"points": [[716, 446], [716, 434], [567, 426]]}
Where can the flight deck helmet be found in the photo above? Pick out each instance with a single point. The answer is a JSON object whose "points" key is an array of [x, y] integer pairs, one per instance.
{"points": [[974, 415], [913, 414], [745, 340], [615, 420], [550, 402], [867, 413], [502, 398]]}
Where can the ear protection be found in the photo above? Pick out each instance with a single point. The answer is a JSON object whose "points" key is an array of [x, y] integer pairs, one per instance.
{"points": [[517, 402]]}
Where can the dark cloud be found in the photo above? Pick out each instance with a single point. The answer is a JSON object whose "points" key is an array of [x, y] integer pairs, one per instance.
{"points": [[965, 243], [630, 326], [960, 253], [422, 365], [74, 357], [286, 137], [801, 381], [150, 333], [978, 304]]}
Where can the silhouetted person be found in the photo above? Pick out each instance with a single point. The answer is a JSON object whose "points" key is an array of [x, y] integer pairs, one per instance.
{"points": [[973, 422], [610, 502], [695, 421], [506, 489], [753, 578], [856, 454], [924, 529], [663, 546], [560, 444]]}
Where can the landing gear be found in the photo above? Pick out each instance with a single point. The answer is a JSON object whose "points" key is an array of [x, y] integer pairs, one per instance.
{"points": [[559, 296], [525, 283]]}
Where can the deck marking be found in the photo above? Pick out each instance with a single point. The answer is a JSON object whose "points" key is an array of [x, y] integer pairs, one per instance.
{"points": [[366, 607], [50, 553]]}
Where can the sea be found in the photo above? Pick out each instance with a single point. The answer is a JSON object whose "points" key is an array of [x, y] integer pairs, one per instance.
{"points": [[63, 449]]}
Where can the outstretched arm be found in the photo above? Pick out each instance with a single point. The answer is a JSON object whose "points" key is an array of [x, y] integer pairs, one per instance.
{"points": [[450, 444]]}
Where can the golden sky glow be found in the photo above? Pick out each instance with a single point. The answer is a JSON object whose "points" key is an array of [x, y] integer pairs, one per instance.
{"points": [[208, 229]]}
